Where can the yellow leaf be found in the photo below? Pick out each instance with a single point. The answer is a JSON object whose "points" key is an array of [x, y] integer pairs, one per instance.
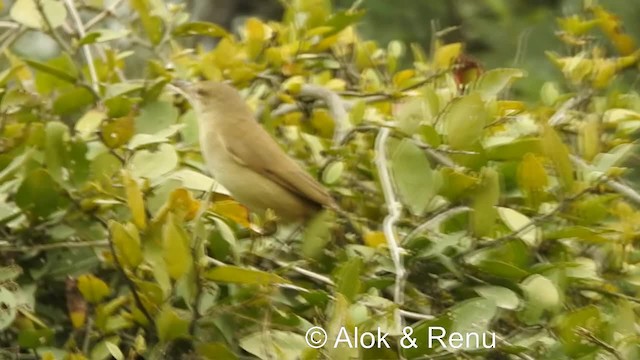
{"points": [[558, 153], [612, 27], [239, 275], [293, 85], [126, 242], [176, 249], [92, 288], [181, 203], [531, 173], [135, 200], [232, 210], [589, 139], [117, 132], [401, 78], [375, 239], [465, 118], [255, 31], [484, 201], [446, 55]]}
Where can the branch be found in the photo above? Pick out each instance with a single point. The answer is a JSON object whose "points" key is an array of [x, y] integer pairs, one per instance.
{"points": [[106, 12], [86, 50], [433, 223], [559, 116], [616, 186], [394, 209], [52, 30], [336, 108], [54, 246]]}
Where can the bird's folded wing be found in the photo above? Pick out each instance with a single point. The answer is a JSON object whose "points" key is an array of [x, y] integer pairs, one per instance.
{"points": [[272, 162]]}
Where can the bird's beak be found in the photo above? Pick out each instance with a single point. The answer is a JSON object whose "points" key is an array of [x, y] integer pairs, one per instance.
{"points": [[180, 87]]}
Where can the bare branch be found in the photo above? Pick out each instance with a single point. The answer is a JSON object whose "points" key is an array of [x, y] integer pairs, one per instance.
{"points": [[336, 108], [616, 186], [394, 209], [54, 246], [106, 12], [86, 50], [559, 116]]}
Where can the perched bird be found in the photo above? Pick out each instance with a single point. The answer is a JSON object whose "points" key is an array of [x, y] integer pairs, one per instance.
{"points": [[246, 160]]}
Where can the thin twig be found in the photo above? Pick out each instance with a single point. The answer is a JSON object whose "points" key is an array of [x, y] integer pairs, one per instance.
{"points": [[593, 339], [394, 209], [106, 12], [559, 116], [305, 272], [616, 186], [86, 50], [9, 24], [54, 246], [52, 30], [415, 315], [535, 220], [433, 223], [336, 108]]}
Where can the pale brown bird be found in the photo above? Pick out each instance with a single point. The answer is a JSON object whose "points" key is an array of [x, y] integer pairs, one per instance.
{"points": [[246, 160]]}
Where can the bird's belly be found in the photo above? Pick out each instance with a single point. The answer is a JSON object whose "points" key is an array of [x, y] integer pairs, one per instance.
{"points": [[252, 189]]}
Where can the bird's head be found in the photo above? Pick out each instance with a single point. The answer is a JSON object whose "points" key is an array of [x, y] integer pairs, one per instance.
{"points": [[210, 96]]}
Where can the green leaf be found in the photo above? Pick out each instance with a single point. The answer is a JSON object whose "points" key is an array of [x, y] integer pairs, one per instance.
{"points": [[151, 165], [484, 201], [171, 325], [39, 195], [348, 279], [492, 82], [317, 234], [415, 180], [501, 296], [515, 150], [200, 28], [26, 13], [274, 344], [332, 172], [340, 20], [515, 221], [473, 316], [567, 329], [55, 72], [464, 120], [114, 350], [155, 117], [103, 35], [8, 308], [89, 124], [152, 24], [72, 101], [141, 140], [239, 275], [56, 149], [215, 351], [541, 292]]}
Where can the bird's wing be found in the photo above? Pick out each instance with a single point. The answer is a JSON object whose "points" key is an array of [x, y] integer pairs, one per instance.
{"points": [[271, 161]]}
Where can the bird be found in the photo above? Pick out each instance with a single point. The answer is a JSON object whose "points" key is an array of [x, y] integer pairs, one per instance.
{"points": [[243, 157]]}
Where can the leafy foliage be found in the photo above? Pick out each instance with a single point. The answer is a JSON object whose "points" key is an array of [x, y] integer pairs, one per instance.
{"points": [[466, 209]]}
